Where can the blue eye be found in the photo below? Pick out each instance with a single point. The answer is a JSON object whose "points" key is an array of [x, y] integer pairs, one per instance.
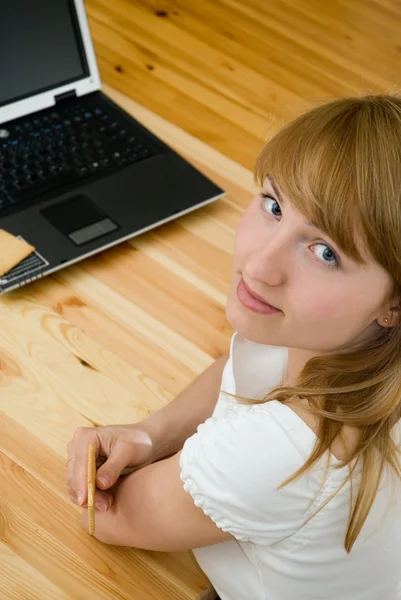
{"points": [[330, 253]]}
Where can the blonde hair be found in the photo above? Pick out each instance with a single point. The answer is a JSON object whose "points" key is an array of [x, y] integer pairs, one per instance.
{"points": [[340, 165]]}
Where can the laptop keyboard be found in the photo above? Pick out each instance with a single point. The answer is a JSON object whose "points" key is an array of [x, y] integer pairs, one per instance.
{"points": [[43, 153]]}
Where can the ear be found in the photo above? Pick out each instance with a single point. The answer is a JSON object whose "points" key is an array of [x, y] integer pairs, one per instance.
{"points": [[394, 312]]}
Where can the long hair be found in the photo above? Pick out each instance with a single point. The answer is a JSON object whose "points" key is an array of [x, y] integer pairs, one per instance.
{"points": [[340, 165]]}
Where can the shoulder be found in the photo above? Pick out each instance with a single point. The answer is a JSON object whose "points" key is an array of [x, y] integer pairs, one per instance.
{"points": [[264, 425], [261, 444], [233, 467]]}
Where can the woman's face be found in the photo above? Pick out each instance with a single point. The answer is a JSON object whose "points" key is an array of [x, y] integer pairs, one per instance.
{"points": [[325, 299]]}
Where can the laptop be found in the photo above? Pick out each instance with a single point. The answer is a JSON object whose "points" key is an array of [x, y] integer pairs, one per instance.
{"points": [[78, 174]]}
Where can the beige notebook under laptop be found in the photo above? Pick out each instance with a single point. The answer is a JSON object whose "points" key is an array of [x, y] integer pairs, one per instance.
{"points": [[12, 251]]}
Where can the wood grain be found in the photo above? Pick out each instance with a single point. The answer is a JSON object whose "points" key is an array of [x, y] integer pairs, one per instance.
{"points": [[229, 71], [119, 335]]}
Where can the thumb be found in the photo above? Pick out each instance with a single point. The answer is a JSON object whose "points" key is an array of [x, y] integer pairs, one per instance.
{"points": [[122, 454]]}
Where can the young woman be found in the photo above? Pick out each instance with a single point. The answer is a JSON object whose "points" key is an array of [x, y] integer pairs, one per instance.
{"points": [[287, 483]]}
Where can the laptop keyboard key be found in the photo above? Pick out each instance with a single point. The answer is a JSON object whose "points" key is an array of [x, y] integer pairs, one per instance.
{"points": [[42, 187], [76, 141]]}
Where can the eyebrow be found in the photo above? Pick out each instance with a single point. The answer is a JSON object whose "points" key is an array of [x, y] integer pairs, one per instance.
{"points": [[280, 197]]}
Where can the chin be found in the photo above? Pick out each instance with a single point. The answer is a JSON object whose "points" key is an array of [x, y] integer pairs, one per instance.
{"points": [[247, 324], [232, 315]]}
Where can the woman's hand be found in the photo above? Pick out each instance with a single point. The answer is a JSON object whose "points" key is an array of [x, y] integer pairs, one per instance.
{"points": [[119, 450]]}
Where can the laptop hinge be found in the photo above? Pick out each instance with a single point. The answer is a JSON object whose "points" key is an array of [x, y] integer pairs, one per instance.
{"points": [[65, 96]]}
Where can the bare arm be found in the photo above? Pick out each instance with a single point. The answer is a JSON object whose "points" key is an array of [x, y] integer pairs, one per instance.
{"points": [[122, 449], [151, 508], [170, 426]]}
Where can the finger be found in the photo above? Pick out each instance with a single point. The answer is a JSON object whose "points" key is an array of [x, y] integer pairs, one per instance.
{"points": [[70, 476], [70, 449], [100, 460], [72, 495], [70, 491], [70, 472], [83, 436], [122, 454], [103, 501]]}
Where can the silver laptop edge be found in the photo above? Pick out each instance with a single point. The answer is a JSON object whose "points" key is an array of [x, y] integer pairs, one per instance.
{"points": [[105, 247]]}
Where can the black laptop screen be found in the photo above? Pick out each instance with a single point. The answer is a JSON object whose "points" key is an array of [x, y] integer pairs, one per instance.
{"points": [[40, 47]]}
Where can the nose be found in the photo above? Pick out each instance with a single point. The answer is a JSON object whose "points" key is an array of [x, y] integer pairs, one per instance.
{"points": [[268, 261]]}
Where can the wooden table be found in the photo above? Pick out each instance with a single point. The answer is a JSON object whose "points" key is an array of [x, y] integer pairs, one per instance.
{"points": [[121, 334], [107, 341]]}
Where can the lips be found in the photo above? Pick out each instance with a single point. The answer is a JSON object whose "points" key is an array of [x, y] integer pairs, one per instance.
{"points": [[254, 304], [257, 297]]}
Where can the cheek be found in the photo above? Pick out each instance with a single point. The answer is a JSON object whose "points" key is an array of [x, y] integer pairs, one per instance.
{"points": [[246, 233], [325, 303]]}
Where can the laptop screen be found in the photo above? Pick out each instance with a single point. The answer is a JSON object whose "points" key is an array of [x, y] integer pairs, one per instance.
{"points": [[40, 48]]}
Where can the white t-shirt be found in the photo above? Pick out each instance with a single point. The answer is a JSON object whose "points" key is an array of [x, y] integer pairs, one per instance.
{"points": [[232, 467]]}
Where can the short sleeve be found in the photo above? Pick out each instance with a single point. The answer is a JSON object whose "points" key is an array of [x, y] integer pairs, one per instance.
{"points": [[232, 467]]}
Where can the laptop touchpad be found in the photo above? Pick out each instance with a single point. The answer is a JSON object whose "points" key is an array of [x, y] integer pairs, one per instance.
{"points": [[79, 219]]}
